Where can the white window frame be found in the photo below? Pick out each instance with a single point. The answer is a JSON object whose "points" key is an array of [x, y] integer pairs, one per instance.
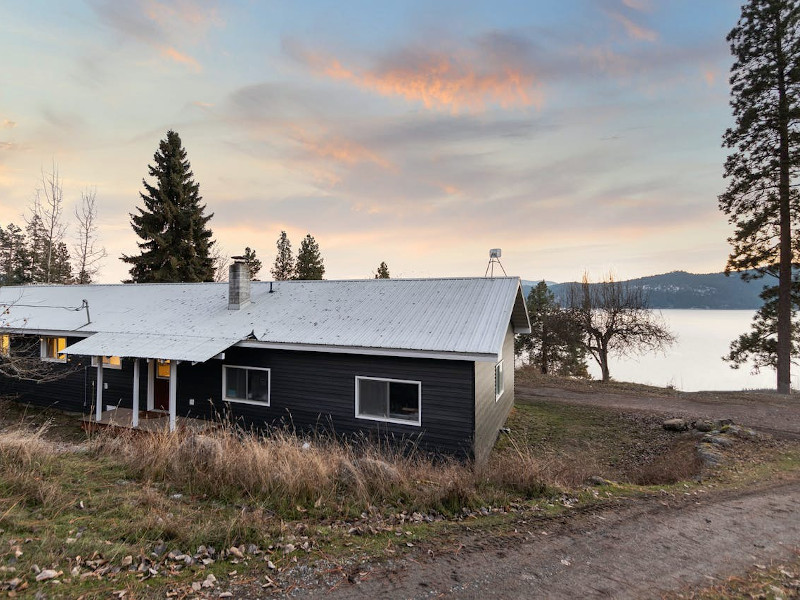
{"points": [[416, 423], [107, 365], [502, 380], [245, 401], [43, 349]]}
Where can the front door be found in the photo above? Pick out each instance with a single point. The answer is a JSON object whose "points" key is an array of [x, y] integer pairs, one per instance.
{"points": [[161, 386]]}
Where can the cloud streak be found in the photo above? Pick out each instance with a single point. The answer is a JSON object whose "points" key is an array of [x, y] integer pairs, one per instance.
{"points": [[465, 78]]}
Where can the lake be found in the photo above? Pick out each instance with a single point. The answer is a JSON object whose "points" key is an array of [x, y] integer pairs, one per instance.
{"points": [[694, 362]]}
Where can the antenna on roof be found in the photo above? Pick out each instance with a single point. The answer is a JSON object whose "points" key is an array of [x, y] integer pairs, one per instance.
{"points": [[494, 259]]}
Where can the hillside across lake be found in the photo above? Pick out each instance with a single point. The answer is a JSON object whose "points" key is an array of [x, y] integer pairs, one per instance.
{"points": [[680, 289]]}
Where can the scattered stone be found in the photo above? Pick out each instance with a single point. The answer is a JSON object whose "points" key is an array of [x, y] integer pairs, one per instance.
{"points": [[704, 426], [253, 549], [196, 586], [270, 565], [234, 551], [288, 548], [718, 440], [597, 480], [127, 561], [225, 595], [48, 574], [209, 582], [709, 455], [675, 425]]}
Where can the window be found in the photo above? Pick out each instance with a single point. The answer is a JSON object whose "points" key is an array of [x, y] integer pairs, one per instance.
{"points": [[248, 385], [52, 347], [109, 362], [392, 400], [5, 345], [162, 369], [499, 387]]}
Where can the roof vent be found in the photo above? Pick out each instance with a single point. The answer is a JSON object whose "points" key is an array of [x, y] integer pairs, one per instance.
{"points": [[238, 284]]}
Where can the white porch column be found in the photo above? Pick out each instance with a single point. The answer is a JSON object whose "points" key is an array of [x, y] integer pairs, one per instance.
{"points": [[173, 393], [151, 383], [135, 420], [98, 409]]}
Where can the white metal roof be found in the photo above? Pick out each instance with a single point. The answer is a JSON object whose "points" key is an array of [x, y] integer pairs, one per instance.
{"points": [[449, 318]]}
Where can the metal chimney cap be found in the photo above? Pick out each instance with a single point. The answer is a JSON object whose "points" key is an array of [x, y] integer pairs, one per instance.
{"points": [[239, 258]]}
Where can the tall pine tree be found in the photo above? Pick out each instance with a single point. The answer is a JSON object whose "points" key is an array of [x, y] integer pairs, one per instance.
{"points": [[760, 200], [309, 263], [283, 268], [176, 240]]}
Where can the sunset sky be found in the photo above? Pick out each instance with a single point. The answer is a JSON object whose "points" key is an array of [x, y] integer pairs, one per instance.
{"points": [[573, 134]]}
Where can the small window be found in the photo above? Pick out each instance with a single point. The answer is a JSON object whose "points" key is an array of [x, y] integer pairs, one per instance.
{"points": [[498, 381], [5, 345], [249, 385], [52, 349], [109, 362], [162, 369], [392, 400]]}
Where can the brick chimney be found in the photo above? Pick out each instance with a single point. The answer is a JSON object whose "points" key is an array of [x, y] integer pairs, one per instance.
{"points": [[238, 284]]}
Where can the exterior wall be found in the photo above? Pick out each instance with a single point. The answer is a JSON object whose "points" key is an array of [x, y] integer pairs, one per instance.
{"points": [[308, 390], [75, 392], [490, 415], [317, 390]]}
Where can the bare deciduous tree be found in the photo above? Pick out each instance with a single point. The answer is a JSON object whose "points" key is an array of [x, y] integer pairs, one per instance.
{"points": [[88, 253], [220, 262], [615, 319], [47, 210]]}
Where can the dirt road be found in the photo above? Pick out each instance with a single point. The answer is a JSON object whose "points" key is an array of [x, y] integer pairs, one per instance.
{"points": [[771, 413], [638, 550]]}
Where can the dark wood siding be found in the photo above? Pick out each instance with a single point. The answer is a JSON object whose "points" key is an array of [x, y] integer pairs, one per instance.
{"points": [[75, 392], [308, 390], [490, 415], [316, 389]]}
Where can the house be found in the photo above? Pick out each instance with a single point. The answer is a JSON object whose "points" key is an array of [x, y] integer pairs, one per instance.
{"points": [[429, 359]]}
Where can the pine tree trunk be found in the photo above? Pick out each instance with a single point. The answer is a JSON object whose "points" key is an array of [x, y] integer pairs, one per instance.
{"points": [[785, 274]]}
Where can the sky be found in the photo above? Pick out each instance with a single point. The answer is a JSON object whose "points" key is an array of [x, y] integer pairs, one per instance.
{"points": [[576, 135]]}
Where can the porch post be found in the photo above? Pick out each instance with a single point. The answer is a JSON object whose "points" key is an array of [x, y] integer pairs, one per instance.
{"points": [[98, 409], [173, 393], [151, 383], [135, 420]]}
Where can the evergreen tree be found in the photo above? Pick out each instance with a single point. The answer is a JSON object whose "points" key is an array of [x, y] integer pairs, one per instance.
{"points": [[14, 263], [253, 263], [382, 272], [309, 264], [61, 267], [283, 268], [37, 250], [555, 344], [761, 170], [177, 242]]}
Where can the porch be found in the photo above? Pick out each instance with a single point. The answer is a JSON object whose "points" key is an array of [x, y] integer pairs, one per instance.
{"points": [[149, 421]]}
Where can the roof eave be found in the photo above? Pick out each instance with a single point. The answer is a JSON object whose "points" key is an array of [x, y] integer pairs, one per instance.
{"points": [[397, 352]]}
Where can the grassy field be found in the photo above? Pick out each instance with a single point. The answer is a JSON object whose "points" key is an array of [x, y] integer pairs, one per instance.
{"points": [[152, 515]]}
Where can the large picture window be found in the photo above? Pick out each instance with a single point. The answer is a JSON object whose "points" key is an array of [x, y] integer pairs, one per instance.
{"points": [[249, 385], [499, 384], [392, 400], [52, 349]]}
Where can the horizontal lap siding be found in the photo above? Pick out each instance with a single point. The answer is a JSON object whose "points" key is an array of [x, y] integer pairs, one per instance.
{"points": [[318, 389], [490, 415]]}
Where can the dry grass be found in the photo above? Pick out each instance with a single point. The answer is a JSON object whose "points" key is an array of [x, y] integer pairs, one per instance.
{"points": [[322, 474], [26, 460]]}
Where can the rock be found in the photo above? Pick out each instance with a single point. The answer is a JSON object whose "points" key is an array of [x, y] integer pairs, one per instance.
{"points": [[47, 574], [704, 426], [234, 551], [718, 440], [127, 561], [225, 595], [373, 468], [196, 586], [709, 455], [675, 425], [288, 548], [742, 432], [210, 581]]}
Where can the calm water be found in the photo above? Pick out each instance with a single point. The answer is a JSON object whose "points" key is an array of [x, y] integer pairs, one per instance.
{"points": [[694, 362]]}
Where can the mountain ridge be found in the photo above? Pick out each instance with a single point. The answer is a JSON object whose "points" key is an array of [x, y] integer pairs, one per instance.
{"points": [[684, 290]]}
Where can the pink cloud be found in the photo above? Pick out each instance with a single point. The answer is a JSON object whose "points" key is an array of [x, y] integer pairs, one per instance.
{"points": [[637, 32]]}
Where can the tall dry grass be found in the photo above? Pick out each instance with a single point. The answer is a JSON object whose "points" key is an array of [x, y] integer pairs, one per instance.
{"points": [[321, 473], [26, 461]]}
